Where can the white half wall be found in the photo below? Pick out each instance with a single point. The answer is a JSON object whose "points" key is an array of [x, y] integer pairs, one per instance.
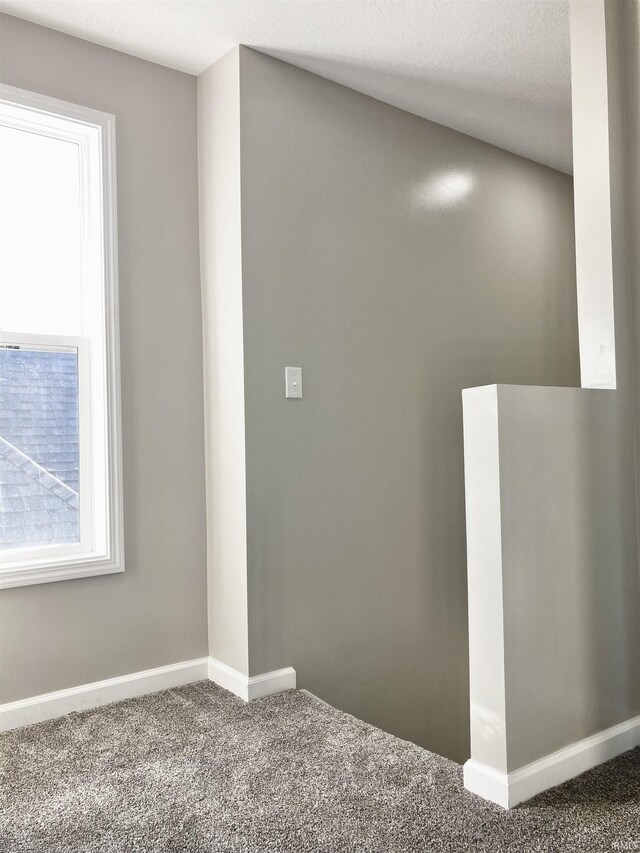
{"points": [[554, 597], [485, 578]]}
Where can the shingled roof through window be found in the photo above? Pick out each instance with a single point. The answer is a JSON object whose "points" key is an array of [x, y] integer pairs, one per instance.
{"points": [[39, 458]]}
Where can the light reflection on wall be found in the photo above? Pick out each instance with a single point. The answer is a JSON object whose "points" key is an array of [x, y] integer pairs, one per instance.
{"points": [[442, 190]]}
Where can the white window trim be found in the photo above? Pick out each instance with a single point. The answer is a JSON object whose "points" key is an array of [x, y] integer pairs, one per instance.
{"points": [[107, 556]]}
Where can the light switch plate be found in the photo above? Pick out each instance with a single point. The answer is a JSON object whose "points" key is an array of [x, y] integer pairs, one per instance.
{"points": [[293, 382]]}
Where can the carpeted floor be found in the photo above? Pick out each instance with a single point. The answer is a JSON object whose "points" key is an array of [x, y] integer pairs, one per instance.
{"points": [[195, 769]]}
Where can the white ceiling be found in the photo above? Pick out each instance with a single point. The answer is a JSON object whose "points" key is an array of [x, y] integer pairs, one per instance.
{"points": [[496, 69]]}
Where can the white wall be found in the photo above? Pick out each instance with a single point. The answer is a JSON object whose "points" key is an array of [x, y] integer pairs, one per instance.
{"points": [[592, 191], [222, 318]]}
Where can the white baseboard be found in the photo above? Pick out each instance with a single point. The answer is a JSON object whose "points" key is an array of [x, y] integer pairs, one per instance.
{"points": [[509, 789], [61, 702], [487, 783], [251, 687], [37, 709]]}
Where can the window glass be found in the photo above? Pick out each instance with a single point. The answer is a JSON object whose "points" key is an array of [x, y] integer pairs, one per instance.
{"points": [[40, 249], [39, 447]]}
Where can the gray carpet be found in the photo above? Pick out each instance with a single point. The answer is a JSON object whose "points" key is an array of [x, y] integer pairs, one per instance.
{"points": [[195, 769]]}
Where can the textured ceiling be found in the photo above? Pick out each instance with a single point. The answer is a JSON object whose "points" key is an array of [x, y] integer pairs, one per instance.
{"points": [[496, 69]]}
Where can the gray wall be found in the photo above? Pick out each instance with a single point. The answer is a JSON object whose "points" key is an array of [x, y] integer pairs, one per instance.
{"points": [[58, 635], [391, 304], [570, 582]]}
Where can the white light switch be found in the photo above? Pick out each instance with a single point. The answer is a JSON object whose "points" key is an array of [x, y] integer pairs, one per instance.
{"points": [[293, 382]]}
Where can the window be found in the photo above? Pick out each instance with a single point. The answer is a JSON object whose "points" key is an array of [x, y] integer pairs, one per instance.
{"points": [[60, 458]]}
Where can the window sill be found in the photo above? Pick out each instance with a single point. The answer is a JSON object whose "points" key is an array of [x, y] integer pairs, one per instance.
{"points": [[47, 571]]}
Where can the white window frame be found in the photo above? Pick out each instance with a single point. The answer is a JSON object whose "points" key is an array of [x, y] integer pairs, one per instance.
{"points": [[101, 549]]}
